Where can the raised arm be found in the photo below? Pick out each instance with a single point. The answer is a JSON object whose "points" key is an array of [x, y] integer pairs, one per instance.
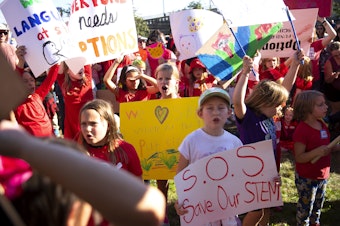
{"points": [[290, 77], [153, 88], [241, 88], [329, 30], [47, 84], [21, 51], [124, 200], [109, 75]]}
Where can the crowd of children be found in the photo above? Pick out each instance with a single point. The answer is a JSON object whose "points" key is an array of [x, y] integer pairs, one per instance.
{"points": [[289, 100]]}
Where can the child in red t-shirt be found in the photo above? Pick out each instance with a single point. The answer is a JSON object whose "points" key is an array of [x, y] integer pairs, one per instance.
{"points": [[77, 89], [312, 155], [199, 80], [101, 138], [272, 69], [288, 125], [131, 85]]}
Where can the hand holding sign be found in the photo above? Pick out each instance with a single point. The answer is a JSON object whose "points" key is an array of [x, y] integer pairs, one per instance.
{"points": [[330, 146]]}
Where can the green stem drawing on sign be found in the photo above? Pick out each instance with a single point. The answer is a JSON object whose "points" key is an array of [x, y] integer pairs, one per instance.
{"points": [[168, 158]]}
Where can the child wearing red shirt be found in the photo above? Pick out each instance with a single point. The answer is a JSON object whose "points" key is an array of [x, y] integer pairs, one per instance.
{"points": [[77, 89], [199, 80]]}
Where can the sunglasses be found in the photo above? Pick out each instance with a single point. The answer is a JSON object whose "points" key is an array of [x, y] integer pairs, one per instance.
{"points": [[4, 32]]}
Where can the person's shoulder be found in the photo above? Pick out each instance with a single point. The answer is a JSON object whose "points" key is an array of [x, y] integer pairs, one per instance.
{"points": [[194, 134], [122, 142], [301, 125], [231, 137]]}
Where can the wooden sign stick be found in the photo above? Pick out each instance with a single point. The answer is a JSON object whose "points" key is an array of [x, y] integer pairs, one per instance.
{"points": [[330, 145]]}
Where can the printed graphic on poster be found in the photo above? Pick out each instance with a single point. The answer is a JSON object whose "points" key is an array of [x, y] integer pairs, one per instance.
{"points": [[192, 28], [222, 54]]}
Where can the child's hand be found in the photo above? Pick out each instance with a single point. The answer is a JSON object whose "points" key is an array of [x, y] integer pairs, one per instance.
{"points": [[120, 58], [321, 151], [277, 180], [325, 150], [321, 19], [248, 64], [21, 52], [179, 209], [298, 57]]}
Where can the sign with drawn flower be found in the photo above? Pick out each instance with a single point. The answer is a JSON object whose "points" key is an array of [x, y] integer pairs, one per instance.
{"points": [[156, 128]]}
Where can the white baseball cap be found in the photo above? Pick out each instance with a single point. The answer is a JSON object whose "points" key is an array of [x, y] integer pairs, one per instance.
{"points": [[3, 27], [213, 92]]}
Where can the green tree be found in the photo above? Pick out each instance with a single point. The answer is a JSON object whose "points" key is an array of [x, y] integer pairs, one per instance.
{"points": [[141, 26], [195, 5], [336, 9]]}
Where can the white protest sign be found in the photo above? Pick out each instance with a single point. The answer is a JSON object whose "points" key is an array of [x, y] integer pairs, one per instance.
{"points": [[103, 30], [192, 28], [229, 183], [283, 43], [239, 13], [38, 26]]}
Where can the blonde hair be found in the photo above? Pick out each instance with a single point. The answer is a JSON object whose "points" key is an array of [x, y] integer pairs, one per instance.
{"points": [[305, 70], [304, 104], [169, 67], [267, 94]]}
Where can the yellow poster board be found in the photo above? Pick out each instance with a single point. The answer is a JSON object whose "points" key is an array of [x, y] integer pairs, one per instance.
{"points": [[156, 128]]}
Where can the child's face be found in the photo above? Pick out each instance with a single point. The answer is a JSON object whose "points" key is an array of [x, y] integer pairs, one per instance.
{"points": [[198, 72], [288, 115], [167, 84], [271, 63], [29, 82], [320, 108], [132, 80], [77, 76], [214, 113], [93, 127], [269, 112]]}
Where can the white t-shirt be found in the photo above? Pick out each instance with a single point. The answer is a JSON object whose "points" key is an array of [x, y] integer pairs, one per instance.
{"points": [[199, 144]]}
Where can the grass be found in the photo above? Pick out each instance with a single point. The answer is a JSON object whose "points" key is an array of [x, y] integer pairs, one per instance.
{"points": [[330, 214]]}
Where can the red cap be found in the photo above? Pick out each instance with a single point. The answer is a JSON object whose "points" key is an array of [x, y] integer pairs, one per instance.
{"points": [[196, 63]]}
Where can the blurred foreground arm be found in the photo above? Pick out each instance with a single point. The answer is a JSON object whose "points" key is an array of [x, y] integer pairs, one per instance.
{"points": [[120, 197]]}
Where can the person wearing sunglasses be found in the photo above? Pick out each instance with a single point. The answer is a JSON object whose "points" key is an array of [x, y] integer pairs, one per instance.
{"points": [[7, 49]]}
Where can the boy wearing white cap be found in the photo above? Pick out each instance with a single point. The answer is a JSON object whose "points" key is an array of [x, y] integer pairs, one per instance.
{"points": [[214, 109]]}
